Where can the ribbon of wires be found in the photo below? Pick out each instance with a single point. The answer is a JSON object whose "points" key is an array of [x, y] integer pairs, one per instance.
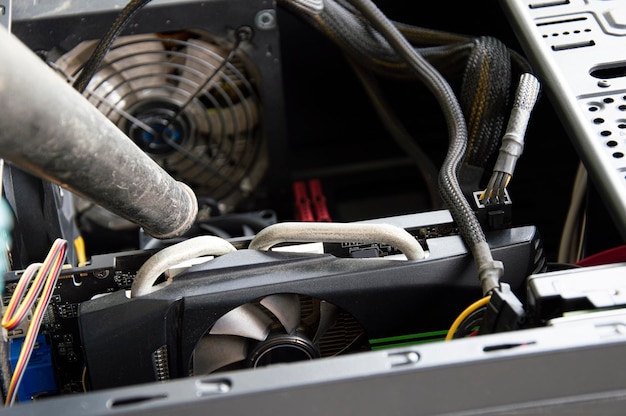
{"points": [[34, 289]]}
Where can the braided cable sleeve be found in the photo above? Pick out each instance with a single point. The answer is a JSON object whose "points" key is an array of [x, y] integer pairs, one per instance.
{"points": [[484, 98], [513, 141], [429, 37], [366, 46], [489, 271], [337, 20], [94, 61]]}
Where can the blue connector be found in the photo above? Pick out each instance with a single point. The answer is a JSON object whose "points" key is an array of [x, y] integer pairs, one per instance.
{"points": [[38, 379]]}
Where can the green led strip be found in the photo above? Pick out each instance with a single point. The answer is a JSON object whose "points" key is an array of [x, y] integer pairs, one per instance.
{"points": [[403, 340]]}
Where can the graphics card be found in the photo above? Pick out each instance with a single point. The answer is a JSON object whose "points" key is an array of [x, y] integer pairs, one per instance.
{"points": [[251, 308]]}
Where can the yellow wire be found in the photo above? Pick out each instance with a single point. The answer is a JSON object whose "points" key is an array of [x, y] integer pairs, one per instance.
{"points": [[81, 254], [15, 310], [467, 312], [50, 270], [484, 193], [83, 379]]}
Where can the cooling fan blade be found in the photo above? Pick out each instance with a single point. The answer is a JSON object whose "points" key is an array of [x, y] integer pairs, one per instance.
{"points": [[277, 328], [286, 308], [227, 342], [328, 314], [244, 321], [217, 351]]}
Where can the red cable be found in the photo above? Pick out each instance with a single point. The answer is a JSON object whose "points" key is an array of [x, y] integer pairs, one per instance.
{"points": [[612, 255]]}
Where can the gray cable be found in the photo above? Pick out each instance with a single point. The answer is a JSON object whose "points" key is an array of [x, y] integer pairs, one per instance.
{"points": [[400, 134], [489, 271], [512, 144]]}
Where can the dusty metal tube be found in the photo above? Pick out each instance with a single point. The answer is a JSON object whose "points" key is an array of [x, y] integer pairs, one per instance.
{"points": [[335, 232], [151, 270], [50, 130]]}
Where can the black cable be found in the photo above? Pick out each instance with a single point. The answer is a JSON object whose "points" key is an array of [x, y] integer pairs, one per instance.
{"points": [[449, 104], [94, 61], [484, 98], [399, 133], [489, 271], [472, 321]]}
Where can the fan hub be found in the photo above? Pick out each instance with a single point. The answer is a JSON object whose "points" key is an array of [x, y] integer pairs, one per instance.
{"points": [[165, 133], [283, 348]]}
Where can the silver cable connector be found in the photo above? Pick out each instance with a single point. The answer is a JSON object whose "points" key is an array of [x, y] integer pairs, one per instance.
{"points": [[513, 141], [490, 271]]}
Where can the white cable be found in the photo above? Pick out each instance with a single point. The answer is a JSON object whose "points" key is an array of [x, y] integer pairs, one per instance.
{"points": [[513, 141], [570, 235], [206, 245], [334, 232]]}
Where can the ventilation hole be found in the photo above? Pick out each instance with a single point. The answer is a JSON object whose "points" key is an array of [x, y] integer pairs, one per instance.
{"points": [[605, 133], [624, 97], [608, 100], [134, 400], [609, 72], [555, 35], [618, 155], [499, 347], [577, 31], [587, 30], [621, 126], [566, 33], [593, 108], [622, 107], [611, 143], [598, 120]]}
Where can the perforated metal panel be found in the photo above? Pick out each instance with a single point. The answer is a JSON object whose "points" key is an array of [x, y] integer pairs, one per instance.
{"points": [[578, 48]]}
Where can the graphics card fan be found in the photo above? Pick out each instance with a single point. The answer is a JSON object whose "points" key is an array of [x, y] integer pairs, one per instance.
{"points": [[279, 328], [189, 101]]}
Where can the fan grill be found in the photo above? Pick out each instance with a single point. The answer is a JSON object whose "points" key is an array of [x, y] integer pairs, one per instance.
{"points": [[340, 336], [344, 335], [177, 98]]}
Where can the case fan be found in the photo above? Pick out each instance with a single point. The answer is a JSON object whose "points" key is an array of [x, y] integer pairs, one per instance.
{"points": [[185, 103]]}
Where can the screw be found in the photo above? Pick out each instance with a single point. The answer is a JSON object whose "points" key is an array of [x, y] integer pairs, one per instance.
{"points": [[244, 33], [265, 19], [604, 83]]}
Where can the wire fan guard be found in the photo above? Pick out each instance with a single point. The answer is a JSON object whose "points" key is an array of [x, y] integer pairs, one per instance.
{"points": [[188, 106], [277, 329]]}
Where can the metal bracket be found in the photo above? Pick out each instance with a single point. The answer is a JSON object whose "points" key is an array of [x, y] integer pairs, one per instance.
{"points": [[5, 13]]}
